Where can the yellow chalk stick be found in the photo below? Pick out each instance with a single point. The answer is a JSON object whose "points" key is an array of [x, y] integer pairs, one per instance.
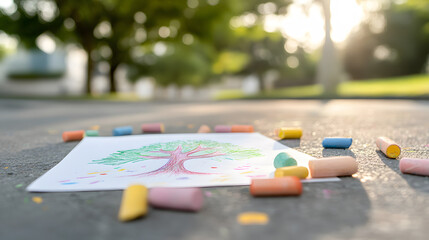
{"points": [[388, 147], [284, 133], [134, 203], [297, 171]]}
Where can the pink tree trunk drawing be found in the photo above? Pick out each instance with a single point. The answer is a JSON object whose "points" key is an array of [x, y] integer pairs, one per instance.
{"points": [[176, 160]]}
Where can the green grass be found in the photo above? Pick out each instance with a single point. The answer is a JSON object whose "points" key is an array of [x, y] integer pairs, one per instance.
{"points": [[408, 86], [230, 94]]}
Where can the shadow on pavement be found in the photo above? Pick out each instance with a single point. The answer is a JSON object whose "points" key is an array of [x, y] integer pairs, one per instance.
{"points": [[332, 152], [292, 143], [417, 182], [322, 209]]}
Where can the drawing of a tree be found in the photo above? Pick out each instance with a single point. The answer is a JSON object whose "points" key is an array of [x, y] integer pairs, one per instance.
{"points": [[177, 153]]}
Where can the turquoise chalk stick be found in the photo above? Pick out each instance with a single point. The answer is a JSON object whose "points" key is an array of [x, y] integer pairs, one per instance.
{"points": [[284, 160], [91, 133]]}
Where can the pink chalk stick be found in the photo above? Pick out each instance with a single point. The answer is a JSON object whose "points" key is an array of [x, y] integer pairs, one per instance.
{"points": [[414, 166], [222, 128], [185, 199], [153, 128]]}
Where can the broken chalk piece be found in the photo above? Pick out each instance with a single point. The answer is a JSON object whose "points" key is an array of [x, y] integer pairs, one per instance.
{"points": [[337, 142], [276, 186], [153, 128], [297, 171], [185, 199], [37, 200], [222, 129], [73, 135], [91, 133], [283, 160], [289, 133], [241, 128], [416, 166], [332, 166], [120, 131], [388, 147], [134, 203], [95, 127], [204, 129], [253, 218]]}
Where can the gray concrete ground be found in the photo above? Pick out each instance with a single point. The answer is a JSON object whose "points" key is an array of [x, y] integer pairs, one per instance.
{"points": [[377, 203]]}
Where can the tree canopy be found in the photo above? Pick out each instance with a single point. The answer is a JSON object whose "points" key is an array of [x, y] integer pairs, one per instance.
{"points": [[178, 152]]}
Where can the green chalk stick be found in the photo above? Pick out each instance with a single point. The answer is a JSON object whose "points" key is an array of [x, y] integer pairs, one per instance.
{"points": [[284, 160], [91, 133]]}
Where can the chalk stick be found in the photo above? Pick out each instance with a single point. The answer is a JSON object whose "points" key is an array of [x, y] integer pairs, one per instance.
{"points": [[222, 128], [297, 171], [69, 136], [184, 199], [388, 147], [204, 129], [91, 133], [241, 128], [289, 133], [121, 131], [332, 166], [283, 160], [286, 186], [417, 166], [153, 128], [337, 142], [134, 203]]}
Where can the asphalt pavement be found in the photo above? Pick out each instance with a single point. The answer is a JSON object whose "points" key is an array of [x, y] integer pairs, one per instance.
{"points": [[379, 202]]}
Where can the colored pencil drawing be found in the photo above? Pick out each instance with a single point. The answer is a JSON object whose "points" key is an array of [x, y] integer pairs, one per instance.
{"points": [[177, 153], [166, 160]]}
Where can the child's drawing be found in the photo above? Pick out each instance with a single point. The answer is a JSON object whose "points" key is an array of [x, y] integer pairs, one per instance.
{"points": [[165, 160], [178, 152]]}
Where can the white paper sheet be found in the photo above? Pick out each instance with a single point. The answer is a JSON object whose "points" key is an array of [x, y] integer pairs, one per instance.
{"points": [[166, 160]]}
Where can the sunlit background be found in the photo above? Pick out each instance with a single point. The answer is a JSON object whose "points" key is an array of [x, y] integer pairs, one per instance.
{"points": [[214, 49]]}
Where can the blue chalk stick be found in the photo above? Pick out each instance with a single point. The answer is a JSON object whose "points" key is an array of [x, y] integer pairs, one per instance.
{"points": [[120, 131], [337, 142]]}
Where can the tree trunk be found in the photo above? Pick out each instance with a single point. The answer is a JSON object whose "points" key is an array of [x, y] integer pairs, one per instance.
{"points": [[176, 161], [112, 78], [89, 68], [328, 69], [261, 82]]}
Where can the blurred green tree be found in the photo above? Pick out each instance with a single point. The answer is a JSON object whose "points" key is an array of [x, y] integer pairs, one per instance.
{"points": [[108, 30], [394, 41], [27, 21], [184, 50], [182, 42], [243, 45]]}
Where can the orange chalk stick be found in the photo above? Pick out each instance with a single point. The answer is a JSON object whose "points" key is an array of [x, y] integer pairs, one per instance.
{"points": [[333, 166], [73, 135], [388, 147], [204, 129], [286, 186], [241, 128]]}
